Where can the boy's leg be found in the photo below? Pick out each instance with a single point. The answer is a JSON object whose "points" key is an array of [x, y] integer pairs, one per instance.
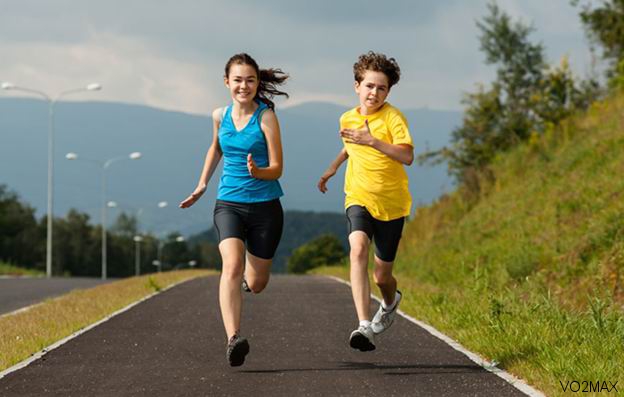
{"points": [[385, 280], [360, 287], [387, 238], [230, 298]]}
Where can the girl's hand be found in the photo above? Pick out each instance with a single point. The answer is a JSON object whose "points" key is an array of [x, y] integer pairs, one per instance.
{"points": [[251, 166], [360, 136], [190, 200], [322, 183]]}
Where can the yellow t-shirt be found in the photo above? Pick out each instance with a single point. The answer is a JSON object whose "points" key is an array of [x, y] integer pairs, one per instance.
{"points": [[374, 180]]}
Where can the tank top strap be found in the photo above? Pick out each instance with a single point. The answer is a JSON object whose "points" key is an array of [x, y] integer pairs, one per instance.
{"points": [[257, 116]]}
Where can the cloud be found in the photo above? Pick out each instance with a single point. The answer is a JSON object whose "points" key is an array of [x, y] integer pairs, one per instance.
{"points": [[171, 54]]}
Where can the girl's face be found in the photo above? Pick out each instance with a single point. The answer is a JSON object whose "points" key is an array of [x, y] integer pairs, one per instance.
{"points": [[242, 82], [372, 90]]}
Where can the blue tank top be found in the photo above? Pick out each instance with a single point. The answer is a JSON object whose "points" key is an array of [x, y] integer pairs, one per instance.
{"points": [[236, 184]]}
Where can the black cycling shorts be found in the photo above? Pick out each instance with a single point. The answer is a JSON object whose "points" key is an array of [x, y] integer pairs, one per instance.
{"points": [[386, 234], [259, 225]]}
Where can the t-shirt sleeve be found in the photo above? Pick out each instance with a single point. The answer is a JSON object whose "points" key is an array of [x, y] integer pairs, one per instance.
{"points": [[341, 125], [399, 129]]}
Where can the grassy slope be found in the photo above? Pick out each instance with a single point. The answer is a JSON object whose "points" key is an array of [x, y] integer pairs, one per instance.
{"points": [[531, 274], [7, 269]]}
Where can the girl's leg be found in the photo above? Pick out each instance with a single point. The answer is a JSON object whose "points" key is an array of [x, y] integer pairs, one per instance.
{"points": [[385, 280], [230, 297], [360, 287], [257, 272]]}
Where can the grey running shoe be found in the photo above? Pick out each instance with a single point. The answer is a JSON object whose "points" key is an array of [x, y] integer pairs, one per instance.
{"points": [[363, 339], [237, 349], [245, 286], [383, 318]]}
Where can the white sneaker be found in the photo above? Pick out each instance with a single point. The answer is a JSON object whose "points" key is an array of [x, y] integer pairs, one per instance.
{"points": [[363, 339], [383, 318]]}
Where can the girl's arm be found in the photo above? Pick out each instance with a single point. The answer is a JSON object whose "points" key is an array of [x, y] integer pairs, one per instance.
{"points": [[270, 128], [402, 153], [331, 170], [213, 156]]}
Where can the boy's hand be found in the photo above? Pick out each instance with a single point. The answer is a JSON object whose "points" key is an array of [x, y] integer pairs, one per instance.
{"points": [[360, 136], [322, 183], [251, 165]]}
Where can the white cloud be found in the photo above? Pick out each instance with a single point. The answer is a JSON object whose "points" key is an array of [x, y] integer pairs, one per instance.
{"points": [[171, 54]]}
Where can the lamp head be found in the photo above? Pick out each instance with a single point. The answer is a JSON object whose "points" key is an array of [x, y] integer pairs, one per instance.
{"points": [[7, 86], [135, 155], [71, 156], [94, 87]]}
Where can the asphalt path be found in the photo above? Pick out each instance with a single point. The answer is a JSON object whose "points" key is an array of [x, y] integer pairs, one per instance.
{"points": [[174, 345], [19, 292]]}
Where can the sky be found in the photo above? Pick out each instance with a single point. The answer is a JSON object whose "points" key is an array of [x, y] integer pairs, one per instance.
{"points": [[170, 54]]}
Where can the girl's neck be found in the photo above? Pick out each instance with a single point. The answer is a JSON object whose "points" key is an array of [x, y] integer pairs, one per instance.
{"points": [[243, 109]]}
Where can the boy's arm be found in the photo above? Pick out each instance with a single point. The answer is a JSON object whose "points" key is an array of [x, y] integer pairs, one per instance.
{"points": [[331, 170], [402, 153]]}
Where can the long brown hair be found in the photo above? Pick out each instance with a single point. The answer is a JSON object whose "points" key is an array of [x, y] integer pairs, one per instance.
{"points": [[269, 79]]}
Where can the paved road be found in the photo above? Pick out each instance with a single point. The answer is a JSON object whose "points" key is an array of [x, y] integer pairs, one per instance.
{"points": [[174, 345], [19, 292]]}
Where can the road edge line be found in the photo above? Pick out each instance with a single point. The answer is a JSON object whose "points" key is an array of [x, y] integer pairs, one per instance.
{"points": [[489, 366], [36, 356]]}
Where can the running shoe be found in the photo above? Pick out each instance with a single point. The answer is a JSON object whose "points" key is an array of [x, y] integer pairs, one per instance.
{"points": [[237, 349], [245, 286], [383, 319], [363, 339]]}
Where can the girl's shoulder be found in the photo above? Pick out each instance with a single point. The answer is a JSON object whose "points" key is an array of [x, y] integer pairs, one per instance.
{"points": [[218, 113]]}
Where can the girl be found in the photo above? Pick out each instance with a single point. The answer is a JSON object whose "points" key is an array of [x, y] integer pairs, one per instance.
{"points": [[248, 214]]}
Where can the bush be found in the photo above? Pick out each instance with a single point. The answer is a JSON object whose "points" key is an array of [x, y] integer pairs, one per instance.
{"points": [[323, 250]]}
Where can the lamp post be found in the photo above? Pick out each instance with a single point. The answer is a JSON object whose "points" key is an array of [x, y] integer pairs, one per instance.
{"points": [[137, 255], [51, 103], [104, 165]]}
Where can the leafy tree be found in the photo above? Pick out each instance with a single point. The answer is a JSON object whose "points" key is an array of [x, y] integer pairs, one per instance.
{"points": [[20, 240], [323, 250], [605, 26]]}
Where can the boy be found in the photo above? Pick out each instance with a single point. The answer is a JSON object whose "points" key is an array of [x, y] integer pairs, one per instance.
{"points": [[377, 143]]}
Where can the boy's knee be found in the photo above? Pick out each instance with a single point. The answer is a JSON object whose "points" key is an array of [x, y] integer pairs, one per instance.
{"points": [[359, 251]]}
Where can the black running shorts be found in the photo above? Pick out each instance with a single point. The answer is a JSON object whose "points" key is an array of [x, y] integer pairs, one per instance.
{"points": [[257, 224], [386, 234]]}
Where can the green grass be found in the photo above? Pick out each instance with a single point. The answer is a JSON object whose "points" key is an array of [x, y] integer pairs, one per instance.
{"points": [[530, 272], [12, 270]]}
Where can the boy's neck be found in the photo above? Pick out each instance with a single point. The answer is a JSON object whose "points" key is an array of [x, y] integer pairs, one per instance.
{"points": [[364, 111]]}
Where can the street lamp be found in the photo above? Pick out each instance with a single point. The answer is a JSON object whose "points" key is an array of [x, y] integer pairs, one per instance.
{"points": [[137, 254], [104, 165], [51, 103]]}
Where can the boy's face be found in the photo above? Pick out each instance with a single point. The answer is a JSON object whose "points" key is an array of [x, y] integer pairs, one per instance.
{"points": [[372, 90], [242, 82]]}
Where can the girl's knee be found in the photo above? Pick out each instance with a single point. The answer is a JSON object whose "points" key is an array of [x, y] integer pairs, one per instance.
{"points": [[257, 285], [232, 271]]}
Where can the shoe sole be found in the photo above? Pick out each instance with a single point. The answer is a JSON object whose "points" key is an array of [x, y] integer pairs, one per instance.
{"points": [[361, 343], [239, 351]]}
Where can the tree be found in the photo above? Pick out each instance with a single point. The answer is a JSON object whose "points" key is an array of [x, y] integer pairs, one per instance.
{"points": [[605, 26], [323, 250], [20, 241]]}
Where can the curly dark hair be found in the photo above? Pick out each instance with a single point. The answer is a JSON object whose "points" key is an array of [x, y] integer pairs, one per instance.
{"points": [[378, 63], [269, 79]]}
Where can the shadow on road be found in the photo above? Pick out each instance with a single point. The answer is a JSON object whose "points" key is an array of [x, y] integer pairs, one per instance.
{"points": [[359, 366]]}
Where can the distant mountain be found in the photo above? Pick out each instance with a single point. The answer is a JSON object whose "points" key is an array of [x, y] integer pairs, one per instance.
{"points": [[173, 146]]}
